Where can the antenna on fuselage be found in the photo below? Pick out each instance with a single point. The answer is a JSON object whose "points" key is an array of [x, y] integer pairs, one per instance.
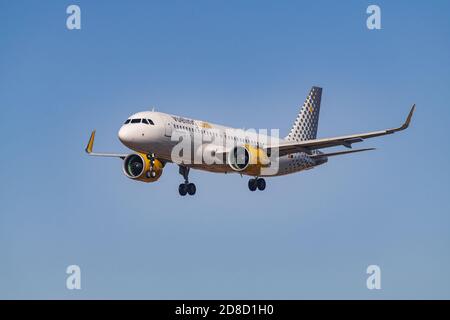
{"points": [[153, 109]]}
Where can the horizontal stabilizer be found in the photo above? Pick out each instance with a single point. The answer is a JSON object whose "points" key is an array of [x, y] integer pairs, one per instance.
{"points": [[323, 155]]}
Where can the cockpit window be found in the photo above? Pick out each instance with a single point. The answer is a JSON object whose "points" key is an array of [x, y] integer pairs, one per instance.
{"points": [[146, 121]]}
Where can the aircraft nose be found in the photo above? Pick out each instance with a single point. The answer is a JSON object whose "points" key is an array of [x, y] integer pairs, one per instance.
{"points": [[124, 135]]}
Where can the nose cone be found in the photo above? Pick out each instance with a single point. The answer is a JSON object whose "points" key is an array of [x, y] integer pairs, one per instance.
{"points": [[133, 136], [124, 135]]}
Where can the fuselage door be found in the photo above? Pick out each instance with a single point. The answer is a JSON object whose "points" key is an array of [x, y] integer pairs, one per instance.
{"points": [[168, 130]]}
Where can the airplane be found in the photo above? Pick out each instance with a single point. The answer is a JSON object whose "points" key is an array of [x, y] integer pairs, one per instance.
{"points": [[155, 136]]}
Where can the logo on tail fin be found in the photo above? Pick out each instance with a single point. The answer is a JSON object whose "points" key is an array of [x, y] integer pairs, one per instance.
{"points": [[307, 122]]}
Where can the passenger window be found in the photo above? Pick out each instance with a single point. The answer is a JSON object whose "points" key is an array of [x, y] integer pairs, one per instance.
{"points": [[128, 121], [136, 121]]}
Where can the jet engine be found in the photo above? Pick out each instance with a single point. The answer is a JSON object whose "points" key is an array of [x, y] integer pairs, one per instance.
{"points": [[138, 166], [248, 159]]}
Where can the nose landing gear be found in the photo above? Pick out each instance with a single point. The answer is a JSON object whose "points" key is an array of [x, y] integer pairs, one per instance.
{"points": [[257, 183], [151, 173], [186, 187]]}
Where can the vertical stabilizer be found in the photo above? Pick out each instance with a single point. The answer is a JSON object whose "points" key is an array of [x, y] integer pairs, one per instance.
{"points": [[307, 122]]}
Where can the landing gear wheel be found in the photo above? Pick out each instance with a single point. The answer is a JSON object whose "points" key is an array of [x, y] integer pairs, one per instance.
{"points": [[186, 187], [252, 184], [182, 189], [261, 183], [151, 174], [191, 189]]}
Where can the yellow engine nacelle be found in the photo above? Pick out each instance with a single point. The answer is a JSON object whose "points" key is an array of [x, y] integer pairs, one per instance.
{"points": [[137, 166], [248, 159]]}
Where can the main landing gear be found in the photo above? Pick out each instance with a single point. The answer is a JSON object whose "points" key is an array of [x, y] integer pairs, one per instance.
{"points": [[186, 187], [257, 183]]}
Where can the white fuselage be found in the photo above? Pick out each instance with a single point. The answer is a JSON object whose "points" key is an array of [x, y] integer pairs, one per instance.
{"points": [[159, 133]]}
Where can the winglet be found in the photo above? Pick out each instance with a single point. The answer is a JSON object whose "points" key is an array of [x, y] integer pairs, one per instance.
{"points": [[407, 122], [90, 144], [408, 119]]}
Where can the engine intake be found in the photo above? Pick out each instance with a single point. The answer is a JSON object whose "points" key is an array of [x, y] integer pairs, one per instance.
{"points": [[138, 167], [239, 158], [247, 159]]}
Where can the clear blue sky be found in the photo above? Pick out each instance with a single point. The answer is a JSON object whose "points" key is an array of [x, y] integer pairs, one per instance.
{"points": [[241, 63]]}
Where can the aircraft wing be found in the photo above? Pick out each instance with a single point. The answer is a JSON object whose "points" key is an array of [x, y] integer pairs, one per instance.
{"points": [[90, 146], [347, 141]]}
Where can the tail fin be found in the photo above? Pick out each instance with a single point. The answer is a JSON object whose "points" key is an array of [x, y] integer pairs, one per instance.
{"points": [[305, 126]]}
